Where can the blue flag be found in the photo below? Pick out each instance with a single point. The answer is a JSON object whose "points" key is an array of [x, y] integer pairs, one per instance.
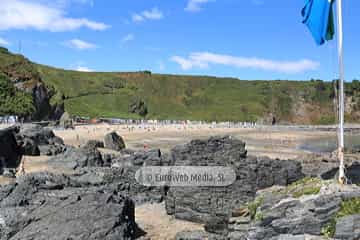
{"points": [[318, 17]]}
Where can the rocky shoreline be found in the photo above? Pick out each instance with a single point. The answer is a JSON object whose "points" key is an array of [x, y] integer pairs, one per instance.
{"points": [[95, 195]]}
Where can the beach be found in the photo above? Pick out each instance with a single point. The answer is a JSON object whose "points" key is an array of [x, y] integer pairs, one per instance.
{"points": [[268, 141]]}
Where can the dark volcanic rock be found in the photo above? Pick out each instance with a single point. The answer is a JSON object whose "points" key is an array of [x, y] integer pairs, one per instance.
{"points": [[92, 144], [42, 102], [212, 205], [37, 140], [114, 141], [352, 173], [10, 152], [92, 170], [126, 167], [324, 165], [150, 157], [47, 206], [30, 148], [122, 180], [74, 158]]}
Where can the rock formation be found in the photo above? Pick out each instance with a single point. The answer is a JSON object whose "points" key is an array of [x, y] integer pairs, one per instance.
{"points": [[66, 121], [276, 212], [270, 199], [47, 206], [114, 141], [37, 140], [75, 158], [118, 171], [25, 77], [10, 151], [211, 205]]}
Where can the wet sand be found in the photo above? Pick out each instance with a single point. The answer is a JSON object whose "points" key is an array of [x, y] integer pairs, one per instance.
{"points": [[152, 218]]}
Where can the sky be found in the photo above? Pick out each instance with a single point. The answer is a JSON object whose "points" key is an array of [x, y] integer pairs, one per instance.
{"points": [[245, 39]]}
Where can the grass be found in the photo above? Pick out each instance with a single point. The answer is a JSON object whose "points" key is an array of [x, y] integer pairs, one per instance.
{"points": [[305, 186], [253, 208], [179, 97], [347, 208], [98, 94]]}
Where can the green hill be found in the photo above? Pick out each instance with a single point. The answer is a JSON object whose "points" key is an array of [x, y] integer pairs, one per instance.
{"points": [[155, 96]]}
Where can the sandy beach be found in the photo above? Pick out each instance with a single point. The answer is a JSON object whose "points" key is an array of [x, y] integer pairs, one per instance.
{"points": [[270, 141]]}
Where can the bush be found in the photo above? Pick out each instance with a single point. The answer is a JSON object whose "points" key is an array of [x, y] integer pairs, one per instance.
{"points": [[13, 101]]}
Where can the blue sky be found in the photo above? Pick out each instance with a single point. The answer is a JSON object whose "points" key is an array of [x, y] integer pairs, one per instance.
{"points": [[247, 39]]}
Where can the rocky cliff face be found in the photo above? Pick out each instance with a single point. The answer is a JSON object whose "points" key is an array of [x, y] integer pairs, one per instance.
{"points": [[25, 77]]}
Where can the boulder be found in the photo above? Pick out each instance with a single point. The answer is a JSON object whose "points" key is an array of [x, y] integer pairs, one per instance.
{"points": [[91, 169], [37, 140], [352, 173], [74, 158], [30, 148], [322, 164], [47, 206], [348, 227], [125, 167], [92, 144], [114, 141], [66, 121], [51, 149], [10, 151], [212, 205], [151, 157]]}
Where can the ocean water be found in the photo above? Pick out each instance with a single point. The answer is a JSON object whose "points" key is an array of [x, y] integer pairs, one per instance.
{"points": [[329, 144]]}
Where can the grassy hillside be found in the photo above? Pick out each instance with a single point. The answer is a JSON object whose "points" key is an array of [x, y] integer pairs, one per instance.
{"points": [[193, 97], [189, 97]]}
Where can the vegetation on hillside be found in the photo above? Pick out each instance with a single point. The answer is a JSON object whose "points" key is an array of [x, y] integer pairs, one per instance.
{"points": [[154, 96], [192, 97], [13, 101]]}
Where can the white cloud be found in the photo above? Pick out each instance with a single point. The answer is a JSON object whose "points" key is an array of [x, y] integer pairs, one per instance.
{"points": [[66, 3], [83, 69], [152, 14], [80, 44], [205, 59], [129, 37], [20, 14], [195, 5], [4, 42]]}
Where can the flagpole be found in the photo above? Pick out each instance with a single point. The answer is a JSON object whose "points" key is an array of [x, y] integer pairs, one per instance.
{"points": [[342, 176]]}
